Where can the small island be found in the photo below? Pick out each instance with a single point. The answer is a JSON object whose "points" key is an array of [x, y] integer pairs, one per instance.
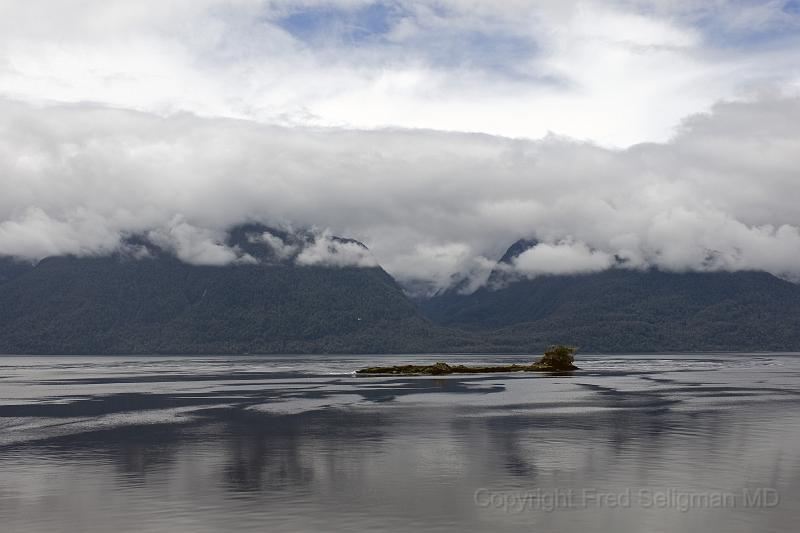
{"points": [[556, 359]]}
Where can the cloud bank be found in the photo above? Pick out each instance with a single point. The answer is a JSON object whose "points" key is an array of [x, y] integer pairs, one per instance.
{"points": [[327, 250], [636, 133], [432, 206], [560, 258], [617, 72]]}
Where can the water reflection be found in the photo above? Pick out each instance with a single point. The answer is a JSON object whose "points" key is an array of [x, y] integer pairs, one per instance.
{"points": [[124, 448]]}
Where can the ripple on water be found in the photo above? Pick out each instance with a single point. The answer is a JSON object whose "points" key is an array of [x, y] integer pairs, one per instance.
{"points": [[284, 444]]}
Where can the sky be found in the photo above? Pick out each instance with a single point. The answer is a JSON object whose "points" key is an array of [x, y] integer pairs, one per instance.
{"points": [[628, 133]]}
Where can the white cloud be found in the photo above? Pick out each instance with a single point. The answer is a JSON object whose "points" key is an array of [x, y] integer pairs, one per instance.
{"points": [[179, 119], [431, 206], [281, 249], [197, 246], [564, 257], [34, 234], [591, 70], [327, 250]]}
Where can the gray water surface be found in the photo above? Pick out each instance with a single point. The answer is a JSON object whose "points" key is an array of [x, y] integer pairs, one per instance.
{"points": [[671, 443]]}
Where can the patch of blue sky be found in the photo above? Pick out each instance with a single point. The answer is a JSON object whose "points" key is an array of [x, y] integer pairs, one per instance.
{"points": [[792, 7], [364, 24], [506, 55], [781, 26], [369, 26]]}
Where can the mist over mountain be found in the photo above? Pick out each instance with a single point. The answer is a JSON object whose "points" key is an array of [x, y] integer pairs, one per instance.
{"points": [[146, 300], [301, 292], [625, 310], [645, 142], [432, 206]]}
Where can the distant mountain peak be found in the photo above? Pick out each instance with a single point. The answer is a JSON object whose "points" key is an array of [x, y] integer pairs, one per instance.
{"points": [[513, 251], [500, 275], [267, 244], [346, 240]]}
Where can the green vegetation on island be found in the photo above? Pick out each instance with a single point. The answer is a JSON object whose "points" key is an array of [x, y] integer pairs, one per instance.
{"points": [[557, 358]]}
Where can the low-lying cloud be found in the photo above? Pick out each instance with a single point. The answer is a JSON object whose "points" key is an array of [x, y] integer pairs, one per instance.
{"points": [[431, 206], [560, 258], [196, 245], [327, 250], [281, 249]]}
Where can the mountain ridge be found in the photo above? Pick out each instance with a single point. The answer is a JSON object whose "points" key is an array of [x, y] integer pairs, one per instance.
{"points": [[155, 303], [626, 310]]}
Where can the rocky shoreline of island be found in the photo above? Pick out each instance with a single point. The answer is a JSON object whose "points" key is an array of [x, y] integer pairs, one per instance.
{"points": [[557, 358]]}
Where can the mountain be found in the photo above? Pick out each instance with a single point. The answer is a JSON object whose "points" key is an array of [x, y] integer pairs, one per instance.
{"points": [[159, 304], [621, 310], [277, 298], [10, 268]]}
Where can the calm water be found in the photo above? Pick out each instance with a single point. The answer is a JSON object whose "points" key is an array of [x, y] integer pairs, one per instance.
{"points": [[628, 444]]}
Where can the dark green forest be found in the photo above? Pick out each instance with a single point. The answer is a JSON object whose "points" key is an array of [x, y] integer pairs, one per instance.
{"points": [[635, 311], [160, 305]]}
